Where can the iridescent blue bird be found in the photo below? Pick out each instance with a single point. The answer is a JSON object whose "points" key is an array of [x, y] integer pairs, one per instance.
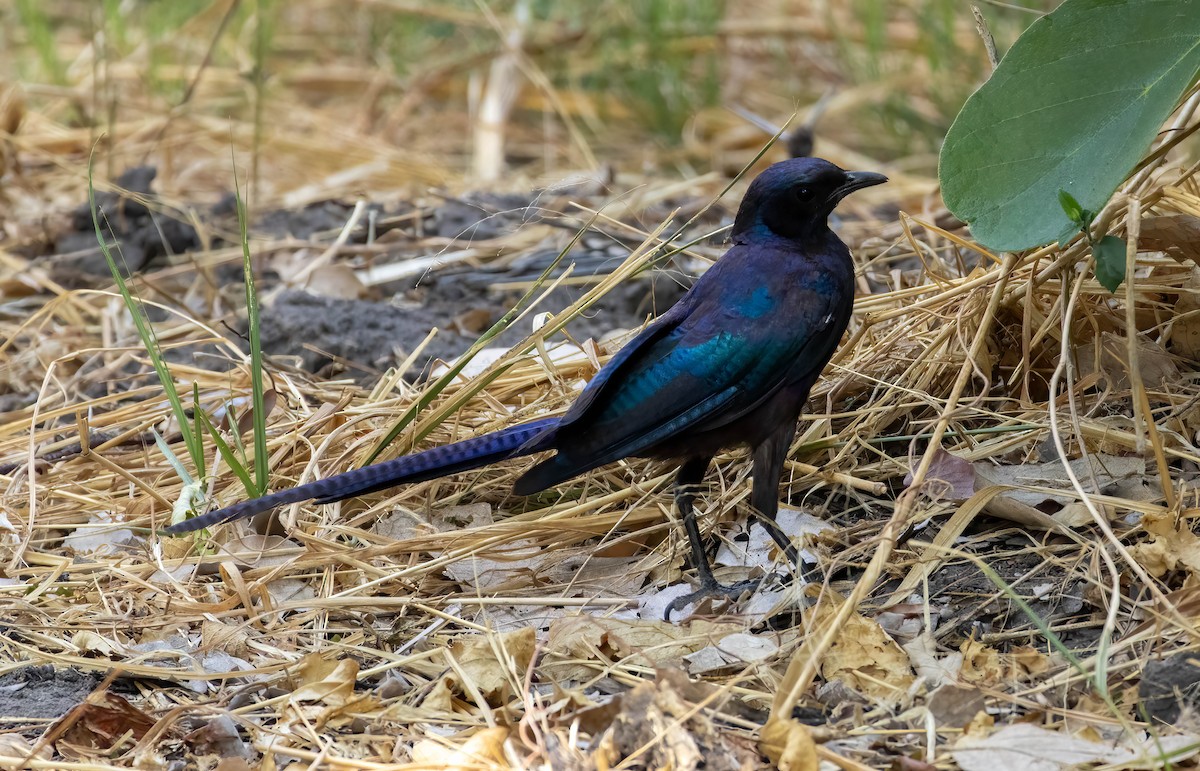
{"points": [[730, 364]]}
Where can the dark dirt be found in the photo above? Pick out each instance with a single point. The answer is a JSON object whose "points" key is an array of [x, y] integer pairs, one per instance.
{"points": [[362, 338], [375, 335], [961, 591], [42, 692], [144, 237], [1170, 686]]}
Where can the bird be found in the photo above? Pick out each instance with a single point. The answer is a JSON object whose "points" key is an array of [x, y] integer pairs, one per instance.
{"points": [[799, 140], [730, 363]]}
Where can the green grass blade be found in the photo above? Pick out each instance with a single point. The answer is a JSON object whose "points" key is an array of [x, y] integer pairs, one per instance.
{"points": [[191, 440], [196, 411], [229, 456], [253, 316]]}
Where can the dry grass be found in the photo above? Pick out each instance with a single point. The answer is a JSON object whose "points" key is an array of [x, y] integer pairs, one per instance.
{"points": [[450, 624]]}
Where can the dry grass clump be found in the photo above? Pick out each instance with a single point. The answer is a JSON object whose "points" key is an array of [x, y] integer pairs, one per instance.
{"points": [[451, 609], [996, 477]]}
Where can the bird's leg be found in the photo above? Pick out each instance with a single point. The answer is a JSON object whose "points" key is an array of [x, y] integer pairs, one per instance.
{"points": [[691, 474], [764, 498]]}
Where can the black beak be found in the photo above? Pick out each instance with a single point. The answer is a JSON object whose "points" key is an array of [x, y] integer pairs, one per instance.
{"points": [[857, 180]]}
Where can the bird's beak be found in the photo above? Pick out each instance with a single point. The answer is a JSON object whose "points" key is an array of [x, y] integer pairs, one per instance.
{"points": [[857, 180]]}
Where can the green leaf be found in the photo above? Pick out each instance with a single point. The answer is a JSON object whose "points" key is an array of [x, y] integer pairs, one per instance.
{"points": [[1072, 106], [1071, 207], [1110, 261]]}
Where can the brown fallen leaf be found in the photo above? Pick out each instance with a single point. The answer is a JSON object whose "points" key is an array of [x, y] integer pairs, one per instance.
{"points": [[949, 478], [937, 668], [789, 745], [1169, 548], [1176, 234], [659, 725], [472, 322], [219, 736], [325, 696], [985, 666], [954, 706], [1027, 747], [219, 636], [104, 722], [493, 664], [981, 664], [1185, 322], [864, 657], [483, 749], [17, 746], [252, 550], [330, 681], [1115, 474], [579, 646], [1111, 360], [12, 107]]}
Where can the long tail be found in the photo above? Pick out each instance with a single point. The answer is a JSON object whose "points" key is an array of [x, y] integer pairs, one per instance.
{"points": [[514, 442]]}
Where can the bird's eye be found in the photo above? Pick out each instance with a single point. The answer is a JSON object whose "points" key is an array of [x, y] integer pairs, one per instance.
{"points": [[804, 194]]}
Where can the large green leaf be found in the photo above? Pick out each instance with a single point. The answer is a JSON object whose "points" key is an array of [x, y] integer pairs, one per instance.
{"points": [[1072, 106]]}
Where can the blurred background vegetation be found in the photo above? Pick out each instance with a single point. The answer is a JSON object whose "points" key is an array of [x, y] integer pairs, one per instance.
{"points": [[310, 89]]}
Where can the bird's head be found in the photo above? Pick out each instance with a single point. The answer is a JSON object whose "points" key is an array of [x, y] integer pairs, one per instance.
{"points": [[793, 198]]}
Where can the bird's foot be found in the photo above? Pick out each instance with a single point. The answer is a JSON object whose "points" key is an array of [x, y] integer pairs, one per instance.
{"points": [[710, 588]]}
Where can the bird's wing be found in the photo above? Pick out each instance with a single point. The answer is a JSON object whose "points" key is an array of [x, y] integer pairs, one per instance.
{"points": [[708, 367], [617, 367]]}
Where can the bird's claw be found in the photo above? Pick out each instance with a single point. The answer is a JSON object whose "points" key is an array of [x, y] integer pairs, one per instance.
{"points": [[710, 588]]}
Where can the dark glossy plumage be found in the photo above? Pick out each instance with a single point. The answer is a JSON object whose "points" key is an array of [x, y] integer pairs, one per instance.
{"points": [[731, 363]]}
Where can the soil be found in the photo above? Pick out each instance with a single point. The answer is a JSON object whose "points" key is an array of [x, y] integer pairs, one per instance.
{"points": [[43, 693], [1170, 687], [331, 335]]}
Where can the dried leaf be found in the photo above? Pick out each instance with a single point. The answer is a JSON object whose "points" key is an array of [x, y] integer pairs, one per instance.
{"points": [[1113, 473], [86, 641], [981, 664], [1170, 547], [955, 706], [484, 749], [956, 476], [759, 549], [338, 281], [789, 745], [439, 699], [1026, 747], [290, 591], [216, 635], [1026, 662], [576, 640], [14, 745], [864, 657], [1185, 322], [219, 736], [519, 561], [738, 649], [12, 107], [495, 664], [471, 322], [1176, 234], [1111, 359], [99, 537], [659, 721], [252, 550], [936, 669], [330, 681], [100, 721]]}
